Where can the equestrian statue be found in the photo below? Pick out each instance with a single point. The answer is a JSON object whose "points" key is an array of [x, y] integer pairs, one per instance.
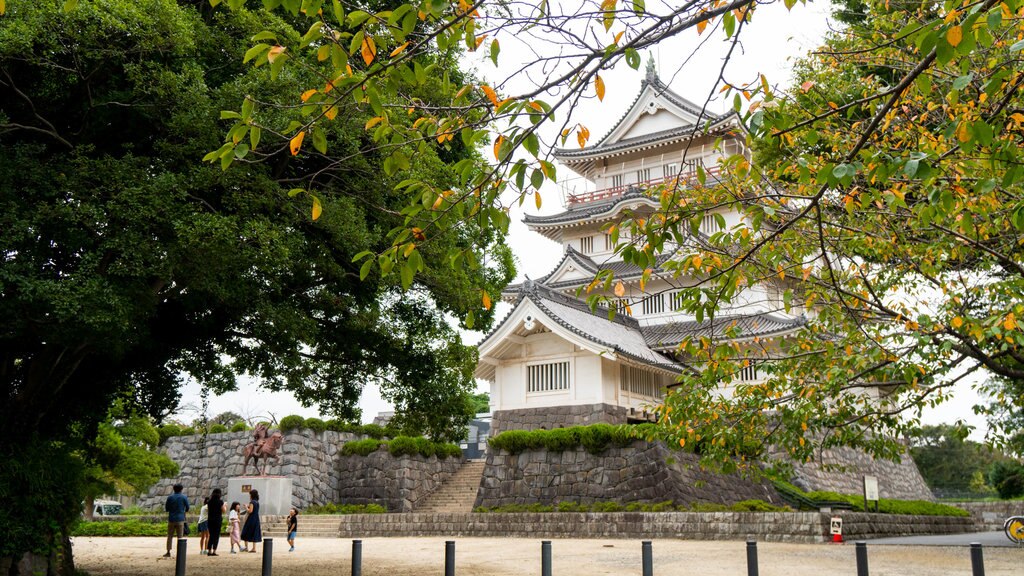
{"points": [[264, 446]]}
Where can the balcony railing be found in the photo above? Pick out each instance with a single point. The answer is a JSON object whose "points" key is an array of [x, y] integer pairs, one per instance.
{"points": [[684, 179]]}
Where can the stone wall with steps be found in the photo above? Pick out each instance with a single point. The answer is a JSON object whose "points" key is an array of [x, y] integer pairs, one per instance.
{"points": [[458, 494], [807, 527], [396, 483], [641, 472]]}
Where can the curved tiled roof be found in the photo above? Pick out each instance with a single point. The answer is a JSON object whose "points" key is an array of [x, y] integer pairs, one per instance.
{"points": [[659, 137], [591, 210], [621, 269], [746, 326]]}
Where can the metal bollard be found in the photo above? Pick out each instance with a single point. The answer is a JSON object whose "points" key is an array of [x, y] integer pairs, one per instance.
{"points": [[862, 558], [179, 561], [751, 557], [545, 558], [977, 560], [449, 558], [357, 558], [268, 556], [647, 558]]}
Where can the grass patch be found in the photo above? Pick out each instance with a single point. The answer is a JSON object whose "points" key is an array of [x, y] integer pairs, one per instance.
{"points": [[885, 505]]}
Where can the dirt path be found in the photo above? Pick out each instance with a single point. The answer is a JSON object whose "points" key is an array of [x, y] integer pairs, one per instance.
{"points": [[518, 557]]}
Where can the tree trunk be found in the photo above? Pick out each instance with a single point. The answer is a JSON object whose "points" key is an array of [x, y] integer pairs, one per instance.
{"points": [[90, 505], [59, 562]]}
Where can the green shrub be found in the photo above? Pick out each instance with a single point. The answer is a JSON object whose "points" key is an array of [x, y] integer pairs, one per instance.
{"points": [[131, 527], [187, 431], [134, 511], [168, 431], [595, 438], [757, 506], [402, 446], [361, 447], [316, 424], [218, 429], [708, 507], [292, 422], [449, 450], [1008, 478], [372, 430], [336, 425], [239, 427], [346, 509], [885, 505]]}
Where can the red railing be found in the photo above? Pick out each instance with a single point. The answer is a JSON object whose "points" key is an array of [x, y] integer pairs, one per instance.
{"points": [[687, 178]]}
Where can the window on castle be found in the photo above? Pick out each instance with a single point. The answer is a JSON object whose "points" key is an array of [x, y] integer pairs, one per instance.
{"points": [[708, 225], [653, 305], [748, 373], [640, 382], [677, 300], [550, 377], [587, 244], [643, 175], [618, 180], [671, 170], [608, 244]]}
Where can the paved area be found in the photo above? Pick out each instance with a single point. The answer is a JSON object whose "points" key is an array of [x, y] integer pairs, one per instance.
{"points": [[521, 557], [987, 539]]}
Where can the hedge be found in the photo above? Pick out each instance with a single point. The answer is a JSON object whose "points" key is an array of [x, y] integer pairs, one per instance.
{"points": [[885, 505], [595, 438], [402, 446], [133, 527], [667, 506], [346, 509]]}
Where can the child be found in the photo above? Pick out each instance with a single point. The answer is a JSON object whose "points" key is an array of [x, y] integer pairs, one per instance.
{"points": [[236, 526], [204, 528], [293, 527]]}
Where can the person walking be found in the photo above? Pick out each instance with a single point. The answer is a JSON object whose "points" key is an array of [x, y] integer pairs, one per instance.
{"points": [[235, 522], [176, 507], [214, 520], [204, 528], [252, 534], [293, 527]]}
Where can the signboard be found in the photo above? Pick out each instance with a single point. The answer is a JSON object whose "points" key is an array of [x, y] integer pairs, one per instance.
{"points": [[246, 488], [837, 526], [871, 488]]}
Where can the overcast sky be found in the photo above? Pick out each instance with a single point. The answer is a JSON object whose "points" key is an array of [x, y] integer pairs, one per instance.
{"points": [[770, 43]]}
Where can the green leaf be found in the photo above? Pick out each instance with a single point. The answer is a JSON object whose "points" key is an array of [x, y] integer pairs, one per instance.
{"points": [[254, 137], [729, 24], [229, 115], [639, 7], [255, 51], [1017, 46], [364, 270], [632, 58], [357, 18], [495, 50], [295, 192], [407, 275], [319, 140], [265, 35], [70, 5], [961, 82]]}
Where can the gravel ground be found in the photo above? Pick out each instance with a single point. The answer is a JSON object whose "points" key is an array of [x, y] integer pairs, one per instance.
{"points": [[517, 556]]}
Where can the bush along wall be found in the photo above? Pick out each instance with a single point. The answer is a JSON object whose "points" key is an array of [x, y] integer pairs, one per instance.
{"points": [[595, 438], [402, 446], [885, 505]]}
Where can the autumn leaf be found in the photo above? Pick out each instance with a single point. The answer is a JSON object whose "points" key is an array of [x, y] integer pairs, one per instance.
{"points": [[620, 289], [418, 234], [957, 322], [373, 122], [317, 209], [486, 300], [331, 112], [1010, 323], [701, 25], [599, 86], [954, 35], [309, 94], [497, 146], [398, 50], [536, 199], [368, 49], [296, 142], [490, 93], [806, 86], [275, 52], [3, 7], [682, 442]]}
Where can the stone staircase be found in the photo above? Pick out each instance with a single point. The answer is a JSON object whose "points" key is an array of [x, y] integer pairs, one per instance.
{"points": [[310, 526], [458, 493]]}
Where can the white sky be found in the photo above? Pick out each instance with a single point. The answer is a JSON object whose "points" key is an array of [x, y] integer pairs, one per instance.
{"points": [[770, 42]]}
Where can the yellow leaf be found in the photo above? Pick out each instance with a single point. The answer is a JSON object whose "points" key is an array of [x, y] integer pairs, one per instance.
{"points": [[682, 442], [620, 289], [958, 322], [368, 49], [619, 37], [807, 272], [487, 300], [803, 425], [599, 86], [954, 35], [437, 203], [497, 146], [3, 6], [296, 142], [1018, 117], [373, 122], [409, 248], [536, 199], [331, 112], [536, 106], [398, 50], [579, 138], [1010, 322], [697, 261], [801, 441], [317, 209], [701, 26], [275, 52], [323, 53], [309, 94], [491, 95], [962, 133]]}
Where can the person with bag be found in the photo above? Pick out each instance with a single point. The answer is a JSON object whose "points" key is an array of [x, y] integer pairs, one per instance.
{"points": [[176, 507], [214, 521], [252, 534]]}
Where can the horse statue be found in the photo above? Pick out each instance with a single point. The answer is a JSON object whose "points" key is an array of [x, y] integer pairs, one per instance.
{"points": [[265, 448]]}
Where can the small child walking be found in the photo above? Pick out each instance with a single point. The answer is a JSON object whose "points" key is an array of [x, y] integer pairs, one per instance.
{"points": [[236, 526], [293, 527]]}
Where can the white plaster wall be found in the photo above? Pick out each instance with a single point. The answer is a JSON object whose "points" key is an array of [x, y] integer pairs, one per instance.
{"points": [[651, 123]]}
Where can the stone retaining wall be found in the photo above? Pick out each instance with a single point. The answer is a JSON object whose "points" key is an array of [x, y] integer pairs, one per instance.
{"points": [[807, 527], [991, 515], [900, 481], [556, 417], [641, 472], [397, 483]]}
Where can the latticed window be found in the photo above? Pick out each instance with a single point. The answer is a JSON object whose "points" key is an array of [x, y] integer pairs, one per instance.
{"points": [[749, 373], [670, 170], [608, 244], [677, 300], [654, 305], [708, 225], [587, 244], [640, 382], [618, 180], [643, 175], [549, 377]]}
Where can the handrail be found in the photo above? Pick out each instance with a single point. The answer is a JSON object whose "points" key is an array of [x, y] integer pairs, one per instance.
{"points": [[615, 191]]}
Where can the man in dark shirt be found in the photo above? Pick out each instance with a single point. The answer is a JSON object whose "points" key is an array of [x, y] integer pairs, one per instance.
{"points": [[177, 506]]}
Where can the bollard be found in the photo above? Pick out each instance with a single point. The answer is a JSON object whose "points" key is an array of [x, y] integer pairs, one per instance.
{"points": [[648, 558], [268, 556], [751, 557], [449, 558], [357, 558], [862, 558], [179, 561], [545, 558], [977, 560]]}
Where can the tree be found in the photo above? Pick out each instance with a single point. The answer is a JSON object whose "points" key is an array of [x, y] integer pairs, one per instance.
{"points": [[947, 460], [885, 196], [127, 264], [481, 402]]}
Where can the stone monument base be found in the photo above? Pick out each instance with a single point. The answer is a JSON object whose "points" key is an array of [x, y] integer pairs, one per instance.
{"points": [[275, 493]]}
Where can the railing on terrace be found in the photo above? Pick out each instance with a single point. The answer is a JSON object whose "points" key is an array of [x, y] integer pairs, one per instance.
{"points": [[685, 179]]}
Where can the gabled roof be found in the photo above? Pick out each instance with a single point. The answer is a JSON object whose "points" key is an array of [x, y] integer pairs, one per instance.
{"points": [[591, 211], [574, 320], [622, 270], [741, 327]]}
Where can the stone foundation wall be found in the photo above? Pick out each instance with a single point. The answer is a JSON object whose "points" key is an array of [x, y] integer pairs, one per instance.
{"points": [[991, 515], [397, 483], [861, 526], [900, 481], [642, 472], [557, 417]]}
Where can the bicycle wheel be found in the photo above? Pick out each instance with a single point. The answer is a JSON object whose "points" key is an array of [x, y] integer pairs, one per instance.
{"points": [[1014, 529]]}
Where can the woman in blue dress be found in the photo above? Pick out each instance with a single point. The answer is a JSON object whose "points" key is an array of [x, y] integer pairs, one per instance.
{"points": [[251, 532]]}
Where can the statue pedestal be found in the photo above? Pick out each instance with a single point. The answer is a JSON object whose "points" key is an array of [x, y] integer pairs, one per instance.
{"points": [[275, 493]]}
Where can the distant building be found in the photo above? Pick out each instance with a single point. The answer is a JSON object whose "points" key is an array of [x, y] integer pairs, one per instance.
{"points": [[552, 361]]}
